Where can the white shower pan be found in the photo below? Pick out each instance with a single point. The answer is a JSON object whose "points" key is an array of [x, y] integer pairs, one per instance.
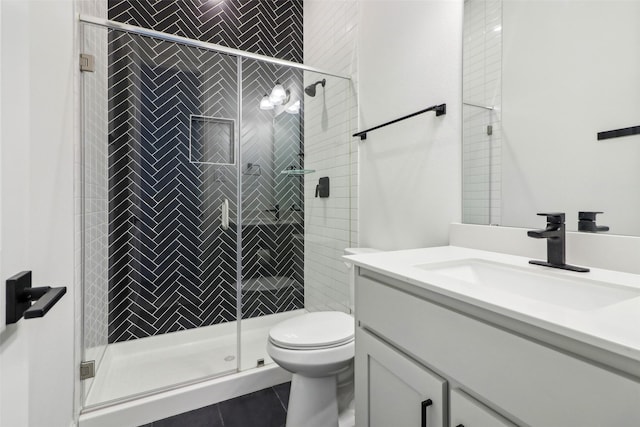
{"points": [[160, 372]]}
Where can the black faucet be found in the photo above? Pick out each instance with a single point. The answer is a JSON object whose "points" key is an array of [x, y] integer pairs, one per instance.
{"points": [[555, 235]]}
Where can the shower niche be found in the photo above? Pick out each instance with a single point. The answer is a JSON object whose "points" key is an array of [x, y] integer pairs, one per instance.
{"points": [[212, 140]]}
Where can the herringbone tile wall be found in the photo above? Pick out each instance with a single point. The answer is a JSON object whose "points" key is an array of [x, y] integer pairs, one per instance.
{"points": [[267, 247], [171, 266], [267, 27]]}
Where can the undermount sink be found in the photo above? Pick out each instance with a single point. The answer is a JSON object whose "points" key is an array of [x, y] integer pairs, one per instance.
{"points": [[546, 287]]}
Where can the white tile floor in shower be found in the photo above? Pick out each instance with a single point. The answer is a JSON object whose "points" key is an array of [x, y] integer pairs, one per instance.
{"points": [[146, 365]]}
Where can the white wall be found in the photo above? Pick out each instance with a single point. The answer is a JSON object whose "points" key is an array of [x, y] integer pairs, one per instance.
{"points": [[562, 84], [38, 63], [409, 58]]}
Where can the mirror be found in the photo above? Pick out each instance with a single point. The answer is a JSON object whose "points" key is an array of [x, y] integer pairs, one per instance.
{"points": [[541, 79]]}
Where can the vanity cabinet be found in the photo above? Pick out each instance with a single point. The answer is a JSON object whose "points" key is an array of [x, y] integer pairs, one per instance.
{"points": [[400, 392], [468, 412], [403, 329]]}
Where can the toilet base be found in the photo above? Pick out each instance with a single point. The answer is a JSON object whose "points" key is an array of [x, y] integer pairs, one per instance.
{"points": [[312, 402]]}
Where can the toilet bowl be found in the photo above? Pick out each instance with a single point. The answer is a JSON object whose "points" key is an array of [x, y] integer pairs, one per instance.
{"points": [[315, 348], [318, 348]]}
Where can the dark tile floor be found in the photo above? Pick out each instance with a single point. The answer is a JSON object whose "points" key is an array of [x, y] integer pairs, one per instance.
{"points": [[264, 408]]}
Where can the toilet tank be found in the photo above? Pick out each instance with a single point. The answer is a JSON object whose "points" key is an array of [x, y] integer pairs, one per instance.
{"points": [[351, 272]]}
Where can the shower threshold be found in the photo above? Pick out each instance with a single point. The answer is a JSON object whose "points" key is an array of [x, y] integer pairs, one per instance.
{"points": [[142, 366]]}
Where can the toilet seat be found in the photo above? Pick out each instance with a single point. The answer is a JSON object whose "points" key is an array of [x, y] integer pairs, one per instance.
{"points": [[313, 331]]}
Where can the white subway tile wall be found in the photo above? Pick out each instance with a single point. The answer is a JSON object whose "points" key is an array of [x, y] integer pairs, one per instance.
{"points": [[96, 191], [331, 224], [482, 86]]}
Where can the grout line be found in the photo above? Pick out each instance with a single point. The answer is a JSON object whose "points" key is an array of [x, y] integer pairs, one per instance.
{"points": [[220, 414], [279, 399]]}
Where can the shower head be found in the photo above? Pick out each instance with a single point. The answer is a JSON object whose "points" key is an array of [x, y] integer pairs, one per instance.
{"points": [[311, 89]]}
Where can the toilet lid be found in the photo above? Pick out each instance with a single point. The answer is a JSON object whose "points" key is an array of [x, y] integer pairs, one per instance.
{"points": [[313, 330]]}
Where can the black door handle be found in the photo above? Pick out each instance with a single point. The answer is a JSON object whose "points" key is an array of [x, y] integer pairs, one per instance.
{"points": [[45, 298], [20, 295], [423, 408]]}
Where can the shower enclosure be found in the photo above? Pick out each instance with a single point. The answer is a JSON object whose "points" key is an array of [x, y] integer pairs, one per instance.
{"points": [[193, 204]]}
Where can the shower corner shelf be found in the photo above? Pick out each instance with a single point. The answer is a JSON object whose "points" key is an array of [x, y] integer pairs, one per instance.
{"points": [[297, 171]]}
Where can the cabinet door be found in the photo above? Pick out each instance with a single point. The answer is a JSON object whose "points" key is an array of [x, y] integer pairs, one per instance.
{"points": [[468, 412], [393, 390]]}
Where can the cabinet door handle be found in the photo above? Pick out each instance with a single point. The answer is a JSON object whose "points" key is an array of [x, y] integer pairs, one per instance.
{"points": [[423, 407]]}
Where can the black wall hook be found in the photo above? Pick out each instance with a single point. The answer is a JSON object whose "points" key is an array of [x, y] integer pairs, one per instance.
{"points": [[20, 295]]}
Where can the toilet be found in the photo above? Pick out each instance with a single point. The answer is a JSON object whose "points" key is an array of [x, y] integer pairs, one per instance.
{"points": [[318, 349], [315, 347]]}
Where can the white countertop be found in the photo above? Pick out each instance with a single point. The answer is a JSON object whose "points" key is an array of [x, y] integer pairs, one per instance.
{"points": [[614, 328]]}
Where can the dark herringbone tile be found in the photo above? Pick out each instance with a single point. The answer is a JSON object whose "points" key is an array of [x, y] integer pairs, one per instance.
{"points": [[171, 266]]}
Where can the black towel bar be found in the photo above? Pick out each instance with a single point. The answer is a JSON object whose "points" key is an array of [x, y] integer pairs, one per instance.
{"points": [[439, 109], [617, 133]]}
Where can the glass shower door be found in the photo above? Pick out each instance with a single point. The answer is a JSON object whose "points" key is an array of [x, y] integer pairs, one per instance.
{"points": [[160, 202], [272, 205], [94, 181], [198, 209]]}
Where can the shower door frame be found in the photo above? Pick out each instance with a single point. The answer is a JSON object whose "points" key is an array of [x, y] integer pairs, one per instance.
{"points": [[114, 25], [240, 56]]}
